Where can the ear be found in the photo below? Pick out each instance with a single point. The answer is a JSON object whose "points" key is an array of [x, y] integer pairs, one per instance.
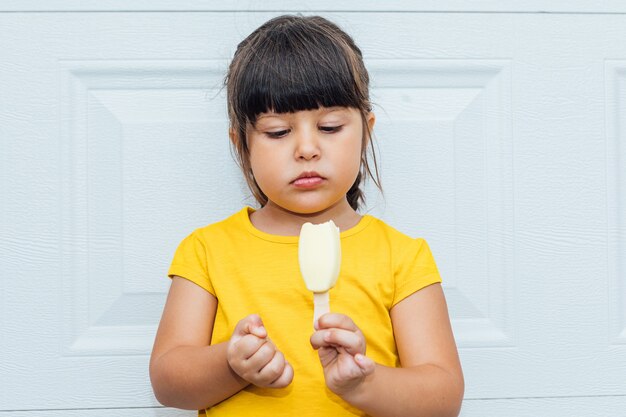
{"points": [[232, 135], [371, 120]]}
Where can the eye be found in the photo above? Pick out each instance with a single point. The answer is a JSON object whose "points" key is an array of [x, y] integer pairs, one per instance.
{"points": [[277, 134], [330, 129]]}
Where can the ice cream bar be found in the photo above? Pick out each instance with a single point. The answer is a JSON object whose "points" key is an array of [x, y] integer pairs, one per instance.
{"points": [[319, 255]]}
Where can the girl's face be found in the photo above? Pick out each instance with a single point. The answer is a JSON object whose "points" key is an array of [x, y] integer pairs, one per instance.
{"points": [[305, 162]]}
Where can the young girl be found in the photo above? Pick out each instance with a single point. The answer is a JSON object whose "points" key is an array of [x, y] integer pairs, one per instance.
{"points": [[235, 338]]}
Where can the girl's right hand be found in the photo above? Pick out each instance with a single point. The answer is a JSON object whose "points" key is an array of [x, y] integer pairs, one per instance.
{"points": [[253, 357]]}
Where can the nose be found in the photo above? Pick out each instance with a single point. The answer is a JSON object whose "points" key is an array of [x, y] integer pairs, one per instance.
{"points": [[307, 144]]}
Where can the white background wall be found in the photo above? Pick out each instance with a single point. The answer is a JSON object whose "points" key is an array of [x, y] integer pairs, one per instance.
{"points": [[501, 131]]}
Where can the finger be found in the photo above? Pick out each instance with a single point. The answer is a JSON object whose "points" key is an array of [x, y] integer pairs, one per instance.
{"points": [[337, 320], [333, 338], [352, 342], [317, 340], [248, 346], [273, 369], [347, 367], [254, 325], [366, 364], [251, 324], [259, 359], [285, 378], [327, 355]]}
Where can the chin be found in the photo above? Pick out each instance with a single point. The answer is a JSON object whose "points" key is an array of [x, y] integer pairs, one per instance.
{"points": [[310, 207], [305, 209]]}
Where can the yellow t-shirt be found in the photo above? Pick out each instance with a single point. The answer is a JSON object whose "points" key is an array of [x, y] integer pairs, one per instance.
{"points": [[250, 271]]}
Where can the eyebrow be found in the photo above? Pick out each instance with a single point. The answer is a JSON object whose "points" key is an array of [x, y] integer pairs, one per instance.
{"points": [[325, 110], [266, 115]]}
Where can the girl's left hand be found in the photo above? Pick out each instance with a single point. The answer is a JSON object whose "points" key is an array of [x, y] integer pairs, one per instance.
{"points": [[341, 348]]}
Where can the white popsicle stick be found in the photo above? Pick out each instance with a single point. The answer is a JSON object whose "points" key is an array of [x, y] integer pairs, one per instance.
{"points": [[321, 304]]}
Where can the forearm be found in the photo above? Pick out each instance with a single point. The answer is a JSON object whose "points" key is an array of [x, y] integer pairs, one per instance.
{"points": [[194, 378], [424, 391]]}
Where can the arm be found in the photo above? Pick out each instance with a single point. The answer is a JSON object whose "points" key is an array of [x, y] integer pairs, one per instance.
{"points": [[184, 370], [187, 372], [430, 381]]}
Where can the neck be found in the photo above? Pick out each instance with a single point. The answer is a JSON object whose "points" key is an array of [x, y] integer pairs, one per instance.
{"points": [[278, 220]]}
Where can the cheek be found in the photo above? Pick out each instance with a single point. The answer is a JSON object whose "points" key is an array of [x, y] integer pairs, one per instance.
{"points": [[351, 160], [256, 156], [264, 167], [259, 166]]}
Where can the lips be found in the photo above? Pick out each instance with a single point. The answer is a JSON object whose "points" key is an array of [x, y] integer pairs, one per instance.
{"points": [[308, 179]]}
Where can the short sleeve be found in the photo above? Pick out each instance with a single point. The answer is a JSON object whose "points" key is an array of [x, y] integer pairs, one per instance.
{"points": [[190, 262], [414, 269]]}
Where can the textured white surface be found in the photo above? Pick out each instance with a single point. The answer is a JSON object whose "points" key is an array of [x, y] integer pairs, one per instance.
{"points": [[501, 141], [489, 6], [452, 117], [616, 196]]}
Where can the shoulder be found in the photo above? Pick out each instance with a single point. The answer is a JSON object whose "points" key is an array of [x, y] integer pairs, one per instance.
{"points": [[223, 227], [390, 233], [403, 248], [211, 237]]}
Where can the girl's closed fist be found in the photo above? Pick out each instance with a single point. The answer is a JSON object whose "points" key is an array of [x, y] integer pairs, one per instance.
{"points": [[253, 357]]}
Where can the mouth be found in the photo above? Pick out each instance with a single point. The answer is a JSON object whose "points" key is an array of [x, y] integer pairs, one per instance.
{"points": [[308, 179]]}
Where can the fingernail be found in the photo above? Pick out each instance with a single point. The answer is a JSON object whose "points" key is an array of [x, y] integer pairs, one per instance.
{"points": [[316, 324]]}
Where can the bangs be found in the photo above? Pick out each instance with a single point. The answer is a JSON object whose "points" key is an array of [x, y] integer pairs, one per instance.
{"points": [[293, 70]]}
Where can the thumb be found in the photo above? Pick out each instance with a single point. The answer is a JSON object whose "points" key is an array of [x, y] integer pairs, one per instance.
{"points": [[251, 324], [255, 326], [366, 364]]}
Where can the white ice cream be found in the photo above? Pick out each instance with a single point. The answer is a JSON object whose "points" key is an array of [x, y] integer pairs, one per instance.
{"points": [[319, 254]]}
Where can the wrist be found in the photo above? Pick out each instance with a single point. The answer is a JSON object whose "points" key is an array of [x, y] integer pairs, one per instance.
{"points": [[231, 370]]}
